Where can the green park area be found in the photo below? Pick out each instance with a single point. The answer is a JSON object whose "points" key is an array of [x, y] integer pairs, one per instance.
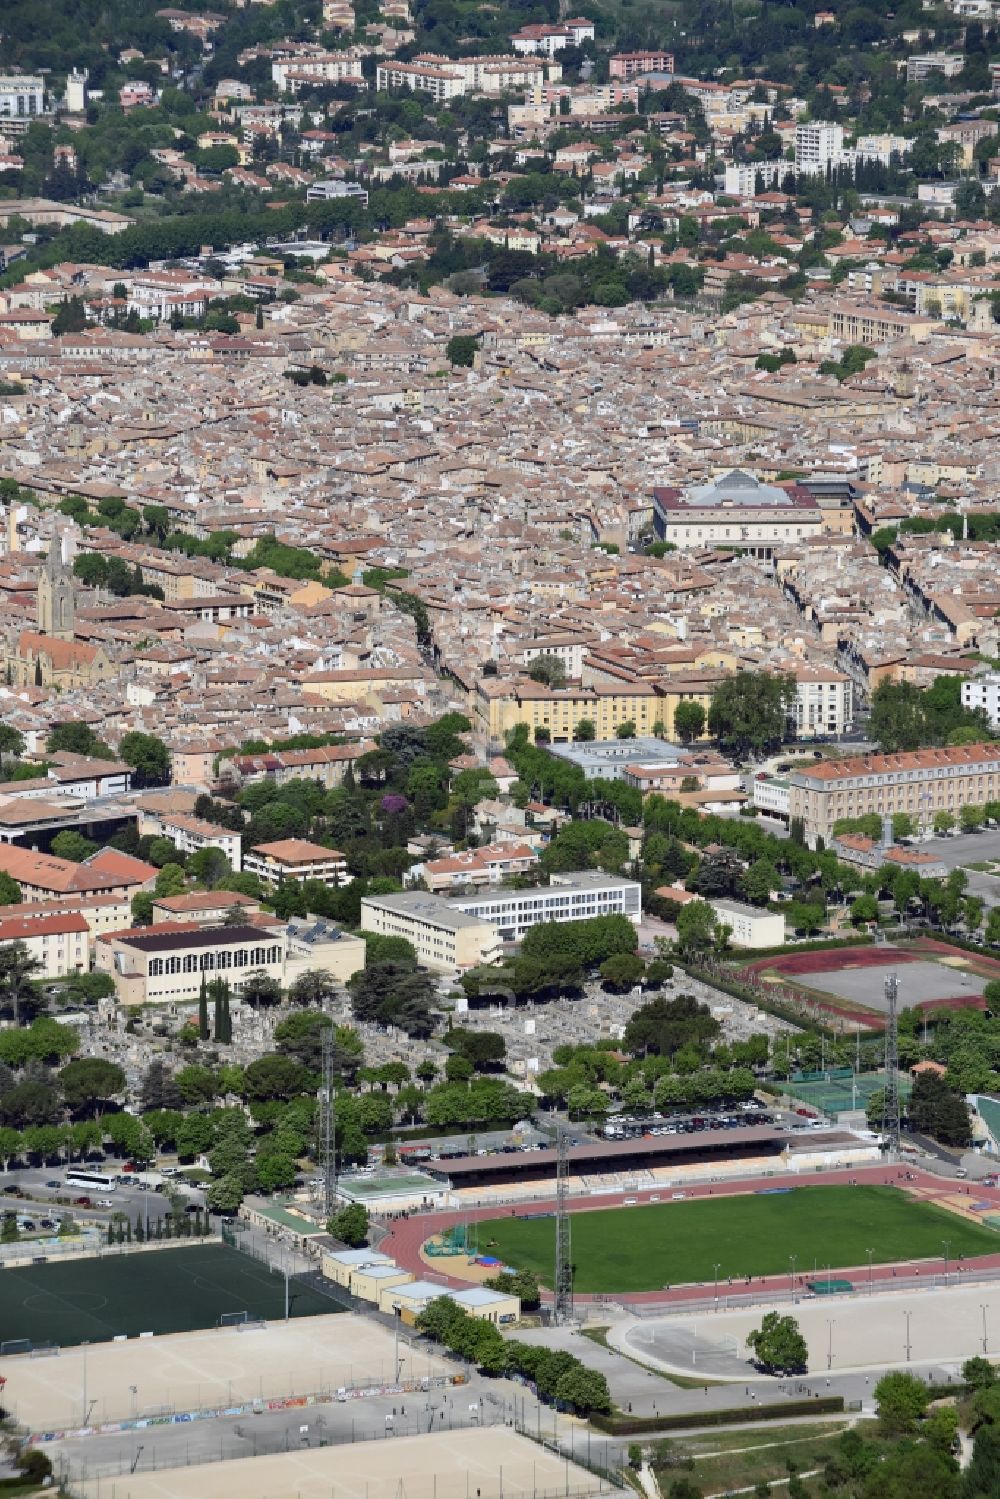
{"points": [[619, 1250]]}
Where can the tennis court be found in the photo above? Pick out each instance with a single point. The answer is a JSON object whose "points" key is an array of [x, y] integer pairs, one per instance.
{"points": [[840, 1092], [159, 1291]]}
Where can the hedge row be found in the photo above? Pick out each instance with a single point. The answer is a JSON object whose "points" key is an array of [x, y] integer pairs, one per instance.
{"points": [[627, 1426]]}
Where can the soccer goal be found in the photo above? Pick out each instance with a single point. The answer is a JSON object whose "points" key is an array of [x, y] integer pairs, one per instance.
{"points": [[16, 1345], [241, 1320], [233, 1319]]}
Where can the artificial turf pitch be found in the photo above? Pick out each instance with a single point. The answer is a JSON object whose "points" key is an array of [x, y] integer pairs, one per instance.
{"points": [[160, 1291], [680, 1243]]}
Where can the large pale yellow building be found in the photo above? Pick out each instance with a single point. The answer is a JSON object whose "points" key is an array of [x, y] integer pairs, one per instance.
{"points": [[501, 706], [444, 937], [921, 783]]}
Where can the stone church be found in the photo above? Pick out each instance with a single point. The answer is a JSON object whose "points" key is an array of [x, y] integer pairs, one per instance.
{"points": [[50, 656]]}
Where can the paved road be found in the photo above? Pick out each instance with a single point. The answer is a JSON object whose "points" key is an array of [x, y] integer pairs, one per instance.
{"points": [[965, 848]]}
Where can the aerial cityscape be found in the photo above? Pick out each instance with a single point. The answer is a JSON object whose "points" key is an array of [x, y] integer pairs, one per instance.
{"points": [[500, 749]]}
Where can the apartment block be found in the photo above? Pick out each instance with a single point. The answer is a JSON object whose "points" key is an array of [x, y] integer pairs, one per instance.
{"points": [[60, 944], [634, 64], [296, 859], [474, 867], [818, 144], [920, 783], [21, 97], [824, 702]]}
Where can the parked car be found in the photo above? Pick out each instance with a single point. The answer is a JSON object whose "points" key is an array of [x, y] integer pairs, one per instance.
{"points": [[82, 1202], [54, 1185]]}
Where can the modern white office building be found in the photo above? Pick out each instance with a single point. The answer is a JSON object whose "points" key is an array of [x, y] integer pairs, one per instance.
{"points": [[984, 692], [575, 896]]}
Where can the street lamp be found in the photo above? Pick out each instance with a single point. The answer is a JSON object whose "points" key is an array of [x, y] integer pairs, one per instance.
{"points": [[829, 1345], [793, 1261], [716, 1285], [869, 1253], [947, 1247], [907, 1316], [982, 1308]]}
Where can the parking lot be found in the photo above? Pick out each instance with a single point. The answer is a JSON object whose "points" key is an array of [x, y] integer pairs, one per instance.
{"points": [[734, 1116]]}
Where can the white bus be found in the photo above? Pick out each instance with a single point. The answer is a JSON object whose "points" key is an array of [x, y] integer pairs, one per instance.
{"points": [[97, 1181]]}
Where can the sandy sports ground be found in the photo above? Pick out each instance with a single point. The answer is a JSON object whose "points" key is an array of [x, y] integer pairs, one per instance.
{"points": [[842, 1332], [220, 1367], [483, 1464]]}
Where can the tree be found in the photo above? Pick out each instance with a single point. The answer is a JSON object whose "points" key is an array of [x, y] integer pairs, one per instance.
{"points": [[71, 317], [583, 1389], [697, 928], [749, 711], [394, 994], [89, 1082], [142, 908], [758, 882], [169, 881], [944, 821], [259, 988], [17, 970], [982, 1477], [902, 1400], [460, 350], [226, 1194], [939, 1110], [586, 731], [274, 1076], [203, 1033], [10, 891], [622, 971], [548, 669], [689, 720], [778, 1345], [626, 730], [148, 756], [78, 739], [11, 742], [979, 1373], [210, 866], [350, 1225], [316, 986], [864, 910]]}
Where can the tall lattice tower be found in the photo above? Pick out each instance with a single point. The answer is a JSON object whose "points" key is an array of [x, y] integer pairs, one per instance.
{"points": [[327, 1127], [890, 1096], [563, 1283]]}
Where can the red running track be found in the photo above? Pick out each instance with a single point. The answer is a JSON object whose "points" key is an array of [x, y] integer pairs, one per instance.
{"points": [[406, 1235]]}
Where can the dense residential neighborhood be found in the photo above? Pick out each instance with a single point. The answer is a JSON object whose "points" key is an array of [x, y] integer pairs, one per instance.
{"points": [[499, 748]]}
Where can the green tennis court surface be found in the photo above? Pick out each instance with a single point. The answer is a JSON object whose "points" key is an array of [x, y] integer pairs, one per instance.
{"points": [[166, 1290], [837, 1095], [680, 1243]]}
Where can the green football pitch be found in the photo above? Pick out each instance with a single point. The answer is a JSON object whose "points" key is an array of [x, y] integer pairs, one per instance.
{"points": [[680, 1243], [165, 1290]]}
